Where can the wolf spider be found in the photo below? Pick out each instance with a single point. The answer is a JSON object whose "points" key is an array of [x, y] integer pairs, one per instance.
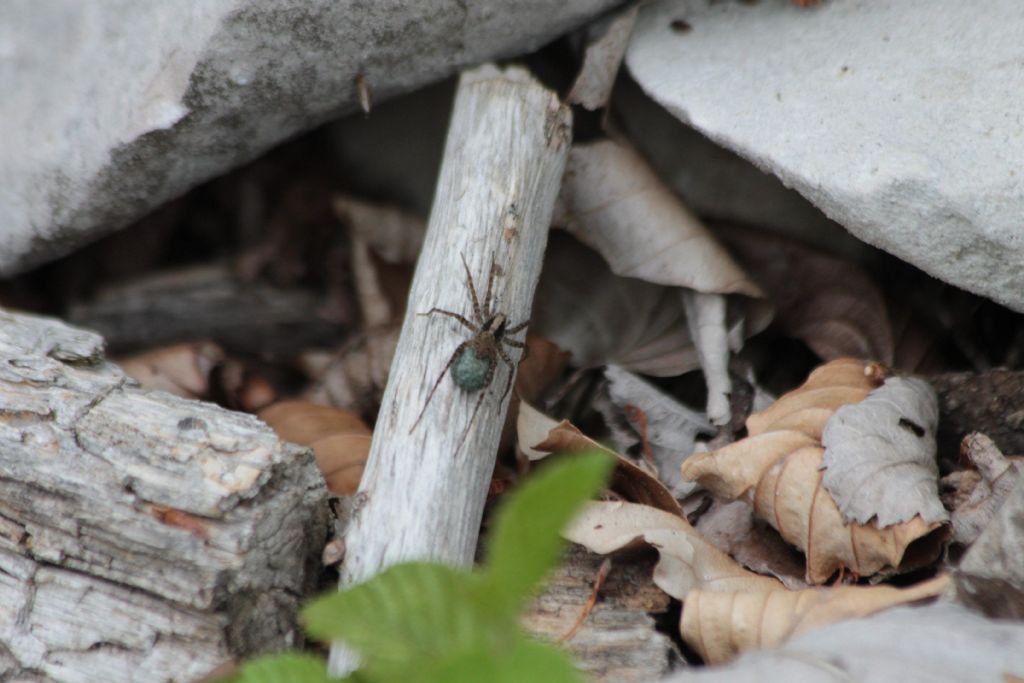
{"points": [[474, 361]]}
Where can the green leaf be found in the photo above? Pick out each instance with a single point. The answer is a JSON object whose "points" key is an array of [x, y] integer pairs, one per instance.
{"points": [[427, 622], [526, 541], [414, 611], [523, 660], [289, 667]]}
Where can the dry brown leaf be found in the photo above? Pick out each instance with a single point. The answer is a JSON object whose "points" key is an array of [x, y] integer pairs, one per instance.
{"points": [[182, 369], [829, 386], [613, 202], [688, 561], [340, 440], [778, 470], [542, 363], [539, 436], [978, 493], [720, 625], [727, 609], [829, 303], [879, 457]]}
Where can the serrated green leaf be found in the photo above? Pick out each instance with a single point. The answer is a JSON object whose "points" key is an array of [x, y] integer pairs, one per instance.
{"points": [[409, 612], [523, 660], [526, 541], [288, 667]]}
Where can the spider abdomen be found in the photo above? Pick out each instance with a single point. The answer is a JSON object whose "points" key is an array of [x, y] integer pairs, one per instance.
{"points": [[472, 370]]}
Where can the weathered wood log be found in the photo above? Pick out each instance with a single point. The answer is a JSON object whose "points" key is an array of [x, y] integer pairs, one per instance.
{"points": [[619, 640], [207, 302], [990, 402], [422, 494], [143, 537]]}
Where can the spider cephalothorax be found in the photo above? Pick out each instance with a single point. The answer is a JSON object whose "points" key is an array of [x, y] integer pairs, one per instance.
{"points": [[475, 360]]}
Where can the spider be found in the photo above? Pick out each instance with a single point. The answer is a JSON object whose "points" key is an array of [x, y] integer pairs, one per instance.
{"points": [[474, 361]]}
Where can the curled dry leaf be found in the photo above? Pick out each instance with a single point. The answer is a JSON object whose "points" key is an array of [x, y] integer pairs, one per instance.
{"points": [[540, 436], [778, 470], [976, 494], [706, 318], [720, 625], [879, 457], [727, 609], [601, 60], [613, 202], [669, 427], [182, 369], [339, 439], [827, 302], [688, 561]]}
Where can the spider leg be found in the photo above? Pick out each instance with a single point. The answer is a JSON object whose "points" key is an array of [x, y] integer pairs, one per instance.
{"points": [[511, 372], [478, 314], [490, 282], [437, 384], [517, 328], [471, 326], [513, 343]]}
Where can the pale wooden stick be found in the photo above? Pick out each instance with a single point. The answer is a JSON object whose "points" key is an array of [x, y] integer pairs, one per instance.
{"points": [[420, 499]]}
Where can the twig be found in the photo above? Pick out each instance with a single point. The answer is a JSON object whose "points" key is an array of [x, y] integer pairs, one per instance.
{"points": [[506, 150]]}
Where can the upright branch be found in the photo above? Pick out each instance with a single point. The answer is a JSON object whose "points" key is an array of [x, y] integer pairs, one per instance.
{"points": [[434, 445]]}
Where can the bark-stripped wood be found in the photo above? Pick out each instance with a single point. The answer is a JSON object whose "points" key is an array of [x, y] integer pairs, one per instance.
{"points": [[423, 491], [619, 640], [208, 301], [143, 537]]}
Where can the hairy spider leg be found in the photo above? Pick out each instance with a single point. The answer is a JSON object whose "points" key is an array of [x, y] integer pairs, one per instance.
{"points": [[478, 313], [511, 371], [473, 328], [517, 328], [488, 310], [440, 377]]}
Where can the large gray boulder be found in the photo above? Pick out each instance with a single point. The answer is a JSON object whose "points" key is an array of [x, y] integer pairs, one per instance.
{"points": [[111, 108], [900, 120]]}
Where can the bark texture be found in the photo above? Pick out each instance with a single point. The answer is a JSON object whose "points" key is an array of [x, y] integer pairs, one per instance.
{"points": [[143, 537]]}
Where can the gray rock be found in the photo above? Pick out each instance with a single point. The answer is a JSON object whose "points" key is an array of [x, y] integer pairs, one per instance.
{"points": [[111, 108], [901, 121]]}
